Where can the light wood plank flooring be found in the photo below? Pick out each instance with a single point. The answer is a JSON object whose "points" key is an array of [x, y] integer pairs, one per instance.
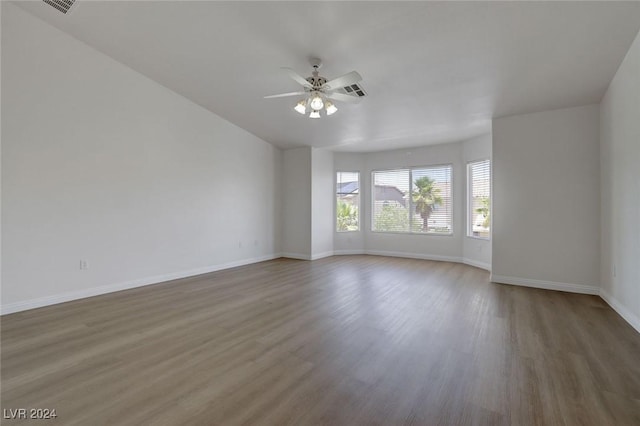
{"points": [[354, 340]]}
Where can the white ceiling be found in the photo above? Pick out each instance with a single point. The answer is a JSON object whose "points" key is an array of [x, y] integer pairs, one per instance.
{"points": [[434, 71]]}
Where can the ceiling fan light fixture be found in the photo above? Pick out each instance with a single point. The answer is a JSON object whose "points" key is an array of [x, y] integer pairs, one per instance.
{"points": [[301, 107], [316, 102], [331, 108], [319, 92]]}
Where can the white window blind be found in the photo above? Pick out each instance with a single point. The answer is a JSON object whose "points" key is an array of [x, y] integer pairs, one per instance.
{"points": [[390, 191], [479, 204], [431, 198], [416, 200], [347, 201]]}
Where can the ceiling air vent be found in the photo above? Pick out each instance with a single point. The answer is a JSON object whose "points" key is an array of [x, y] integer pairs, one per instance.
{"points": [[62, 5], [354, 90]]}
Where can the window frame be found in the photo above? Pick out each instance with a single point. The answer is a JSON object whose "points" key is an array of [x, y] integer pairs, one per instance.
{"points": [[470, 216], [410, 169], [335, 201]]}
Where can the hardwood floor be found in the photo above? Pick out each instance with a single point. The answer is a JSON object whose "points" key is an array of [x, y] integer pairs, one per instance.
{"points": [[353, 340]]}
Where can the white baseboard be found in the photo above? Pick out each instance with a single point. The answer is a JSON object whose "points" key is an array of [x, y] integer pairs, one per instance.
{"points": [[466, 261], [301, 256], [40, 302], [414, 255], [347, 252], [9, 308], [477, 264], [298, 256], [321, 255], [622, 310], [407, 255], [547, 285]]}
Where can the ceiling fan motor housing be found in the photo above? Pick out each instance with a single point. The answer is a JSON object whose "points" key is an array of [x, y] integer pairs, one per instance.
{"points": [[316, 81]]}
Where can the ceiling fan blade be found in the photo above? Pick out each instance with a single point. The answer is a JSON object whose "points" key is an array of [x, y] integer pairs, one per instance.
{"points": [[297, 77], [284, 95], [342, 81], [343, 98]]}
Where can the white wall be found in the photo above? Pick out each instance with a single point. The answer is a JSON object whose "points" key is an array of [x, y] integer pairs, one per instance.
{"points": [[102, 164], [296, 209], [620, 185], [0, 163], [546, 185], [322, 203], [307, 219], [475, 251]]}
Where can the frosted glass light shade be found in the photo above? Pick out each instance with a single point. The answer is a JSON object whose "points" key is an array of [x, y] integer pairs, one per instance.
{"points": [[316, 103], [301, 107]]}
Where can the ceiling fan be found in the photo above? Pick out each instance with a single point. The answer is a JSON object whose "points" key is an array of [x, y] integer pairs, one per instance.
{"points": [[319, 91]]}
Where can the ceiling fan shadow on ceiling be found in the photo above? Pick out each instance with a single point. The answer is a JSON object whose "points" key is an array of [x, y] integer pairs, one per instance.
{"points": [[320, 92]]}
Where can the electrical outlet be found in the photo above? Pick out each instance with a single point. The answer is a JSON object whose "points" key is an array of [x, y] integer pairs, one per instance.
{"points": [[239, 244], [84, 265], [614, 270]]}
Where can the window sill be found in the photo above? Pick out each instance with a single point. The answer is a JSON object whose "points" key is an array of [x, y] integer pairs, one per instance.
{"points": [[450, 234]]}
